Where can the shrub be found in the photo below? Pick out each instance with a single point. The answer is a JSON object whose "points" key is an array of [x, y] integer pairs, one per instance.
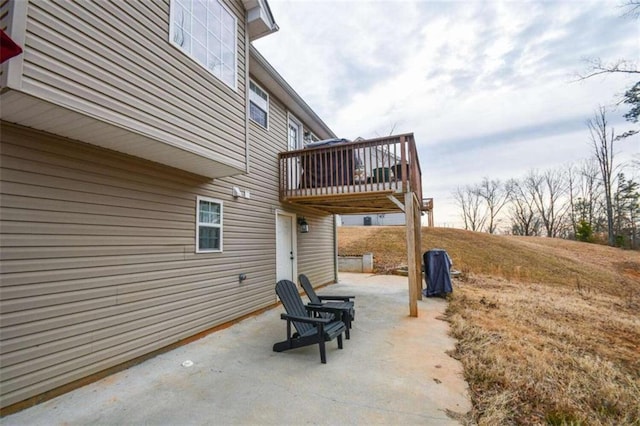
{"points": [[584, 232]]}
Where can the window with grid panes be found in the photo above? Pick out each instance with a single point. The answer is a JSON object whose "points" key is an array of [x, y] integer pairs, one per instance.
{"points": [[258, 105], [205, 30], [208, 225]]}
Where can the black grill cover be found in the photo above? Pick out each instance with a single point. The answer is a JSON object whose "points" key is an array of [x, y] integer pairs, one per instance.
{"points": [[437, 273], [335, 168]]}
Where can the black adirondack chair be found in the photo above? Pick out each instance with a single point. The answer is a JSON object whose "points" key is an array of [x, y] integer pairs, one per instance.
{"points": [[343, 303], [310, 330]]}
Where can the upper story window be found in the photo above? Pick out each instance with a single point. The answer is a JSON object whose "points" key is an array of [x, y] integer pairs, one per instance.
{"points": [[294, 134], [258, 105], [208, 225], [206, 31]]}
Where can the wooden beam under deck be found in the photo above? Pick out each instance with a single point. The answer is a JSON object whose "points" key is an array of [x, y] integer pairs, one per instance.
{"points": [[364, 202]]}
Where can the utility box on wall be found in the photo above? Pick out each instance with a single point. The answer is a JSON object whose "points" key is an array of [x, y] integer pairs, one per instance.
{"points": [[367, 221]]}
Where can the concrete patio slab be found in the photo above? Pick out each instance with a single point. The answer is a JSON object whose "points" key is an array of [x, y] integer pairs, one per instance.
{"points": [[394, 370]]}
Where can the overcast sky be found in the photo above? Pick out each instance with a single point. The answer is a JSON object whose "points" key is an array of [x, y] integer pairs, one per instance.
{"points": [[487, 88]]}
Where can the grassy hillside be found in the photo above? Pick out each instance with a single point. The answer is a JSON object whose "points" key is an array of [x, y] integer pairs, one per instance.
{"points": [[548, 330]]}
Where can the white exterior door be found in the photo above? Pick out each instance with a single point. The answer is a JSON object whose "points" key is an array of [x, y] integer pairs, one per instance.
{"points": [[294, 142], [285, 246]]}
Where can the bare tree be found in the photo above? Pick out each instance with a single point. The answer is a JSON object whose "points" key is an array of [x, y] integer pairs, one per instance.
{"points": [[470, 203], [602, 140], [632, 8], [573, 176], [524, 220], [495, 197], [587, 197], [584, 192], [460, 198], [596, 66], [547, 190]]}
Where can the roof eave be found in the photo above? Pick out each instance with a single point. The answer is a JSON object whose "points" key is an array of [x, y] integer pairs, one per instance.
{"points": [[260, 20]]}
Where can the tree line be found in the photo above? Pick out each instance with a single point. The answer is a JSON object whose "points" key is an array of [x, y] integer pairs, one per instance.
{"points": [[586, 201], [589, 200]]}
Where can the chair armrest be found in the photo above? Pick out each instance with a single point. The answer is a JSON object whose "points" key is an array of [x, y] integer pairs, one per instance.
{"points": [[343, 298], [305, 319], [322, 308]]}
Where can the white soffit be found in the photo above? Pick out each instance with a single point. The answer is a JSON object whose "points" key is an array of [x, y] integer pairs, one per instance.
{"points": [[259, 19]]}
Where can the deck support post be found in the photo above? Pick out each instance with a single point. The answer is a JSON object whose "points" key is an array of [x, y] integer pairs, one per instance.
{"points": [[413, 251], [417, 227]]}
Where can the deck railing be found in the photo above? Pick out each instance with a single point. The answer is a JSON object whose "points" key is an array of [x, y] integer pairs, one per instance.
{"points": [[388, 164], [427, 206]]}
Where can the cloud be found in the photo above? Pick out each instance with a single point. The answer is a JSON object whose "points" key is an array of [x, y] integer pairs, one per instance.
{"points": [[507, 137], [345, 46], [488, 88]]}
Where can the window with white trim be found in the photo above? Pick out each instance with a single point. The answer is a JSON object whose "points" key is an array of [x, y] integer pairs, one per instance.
{"points": [[206, 31], [208, 225], [294, 136], [258, 105]]}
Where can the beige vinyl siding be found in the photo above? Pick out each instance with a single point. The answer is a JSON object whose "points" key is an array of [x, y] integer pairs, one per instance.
{"points": [[4, 15], [316, 250], [113, 61], [99, 263], [98, 254]]}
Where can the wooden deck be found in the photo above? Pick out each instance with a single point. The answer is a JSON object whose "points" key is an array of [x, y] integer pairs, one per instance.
{"points": [[367, 176]]}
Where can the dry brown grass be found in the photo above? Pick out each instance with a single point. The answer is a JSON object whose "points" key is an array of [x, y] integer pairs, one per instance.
{"points": [[548, 330]]}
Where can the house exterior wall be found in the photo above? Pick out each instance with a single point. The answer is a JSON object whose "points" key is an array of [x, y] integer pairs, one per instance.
{"points": [[4, 15], [316, 250], [112, 61], [98, 254], [97, 247], [99, 265]]}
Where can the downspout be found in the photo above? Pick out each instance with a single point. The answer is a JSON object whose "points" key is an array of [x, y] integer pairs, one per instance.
{"points": [[247, 144], [335, 248]]}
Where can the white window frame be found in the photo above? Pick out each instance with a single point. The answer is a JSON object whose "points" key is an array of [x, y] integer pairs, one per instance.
{"points": [[254, 95], [173, 35], [208, 225], [291, 119]]}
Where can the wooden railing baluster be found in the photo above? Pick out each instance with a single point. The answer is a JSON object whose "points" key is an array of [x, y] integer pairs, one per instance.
{"points": [[366, 170]]}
